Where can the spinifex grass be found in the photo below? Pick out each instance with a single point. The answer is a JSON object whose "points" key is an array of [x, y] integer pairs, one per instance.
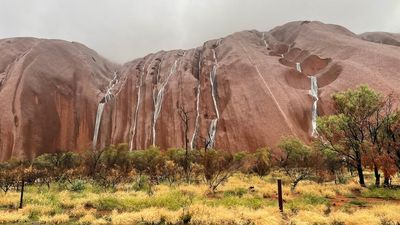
{"points": [[243, 199]]}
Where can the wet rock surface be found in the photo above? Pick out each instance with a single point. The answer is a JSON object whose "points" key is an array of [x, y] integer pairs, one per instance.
{"points": [[242, 92]]}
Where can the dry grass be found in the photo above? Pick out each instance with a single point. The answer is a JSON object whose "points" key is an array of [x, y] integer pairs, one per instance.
{"points": [[235, 203]]}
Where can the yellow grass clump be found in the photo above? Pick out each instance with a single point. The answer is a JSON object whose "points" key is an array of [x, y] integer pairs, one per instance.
{"points": [[309, 217], [9, 200], [100, 221], [387, 212], [7, 217], [357, 218], [262, 216], [199, 189], [201, 214], [35, 209], [87, 219], [317, 190], [150, 215], [56, 219], [80, 211]]}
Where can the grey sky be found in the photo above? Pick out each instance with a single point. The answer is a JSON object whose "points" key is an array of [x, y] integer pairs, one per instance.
{"points": [[122, 30]]}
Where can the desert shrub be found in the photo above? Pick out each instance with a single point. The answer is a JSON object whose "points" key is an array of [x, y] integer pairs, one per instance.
{"points": [[150, 162], [239, 192], [259, 162], [78, 186], [108, 203], [313, 199], [142, 183], [183, 160], [54, 167], [9, 174], [219, 165], [358, 203], [297, 160]]}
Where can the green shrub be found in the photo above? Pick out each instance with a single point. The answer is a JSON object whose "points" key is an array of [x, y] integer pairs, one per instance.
{"points": [[143, 183], [313, 199], [358, 203], [78, 186], [235, 192], [385, 193], [108, 203]]}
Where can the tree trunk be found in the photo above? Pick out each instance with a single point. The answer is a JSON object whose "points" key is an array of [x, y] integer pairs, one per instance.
{"points": [[386, 182], [377, 176], [294, 184], [360, 174]]}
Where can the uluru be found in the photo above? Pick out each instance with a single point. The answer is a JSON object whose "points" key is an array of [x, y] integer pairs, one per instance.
{"points": [[240, 92], [184, 112]]}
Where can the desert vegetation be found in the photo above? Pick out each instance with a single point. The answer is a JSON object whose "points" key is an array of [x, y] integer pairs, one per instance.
{"points": [[334, 179]]}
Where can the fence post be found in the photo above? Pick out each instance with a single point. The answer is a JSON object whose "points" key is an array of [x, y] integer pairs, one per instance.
{"points": [[22, 194], [280, 200]]}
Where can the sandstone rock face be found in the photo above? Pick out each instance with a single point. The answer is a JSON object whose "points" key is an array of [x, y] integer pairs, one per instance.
{"points": [[49, 91], [382, 37], [241, 92]]}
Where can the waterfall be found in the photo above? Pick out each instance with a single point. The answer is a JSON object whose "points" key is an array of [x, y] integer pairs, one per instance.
{"points": [[282, 56], [157, 100], [314, 112], [298, 67], [138, 99], [213, 125], [100, 108], [263, 39], [196, 122]]}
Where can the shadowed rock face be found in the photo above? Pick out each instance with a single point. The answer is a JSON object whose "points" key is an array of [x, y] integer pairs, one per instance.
{"points": [[253, 87], [382, 38]]}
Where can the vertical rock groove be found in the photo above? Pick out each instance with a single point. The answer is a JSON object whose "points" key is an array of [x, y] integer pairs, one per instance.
{"points": [[212, 131], [100, 108], [136, 112], [198, 90], [158, 96]]}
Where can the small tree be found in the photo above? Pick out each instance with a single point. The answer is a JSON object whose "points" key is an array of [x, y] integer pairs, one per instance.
{"points": [[219, 165], [114, 166], [259, 162], [356, 131], [184, 115], [297, 160], [150, 162], [8, 175]]}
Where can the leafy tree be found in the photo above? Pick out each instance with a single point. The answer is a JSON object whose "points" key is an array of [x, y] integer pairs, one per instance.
{"points": [[389, 161], [259, 162], [297, 160], [219, 165], [56, 167], [114, 166], [8, 174], [356, 130], [150, 161]]}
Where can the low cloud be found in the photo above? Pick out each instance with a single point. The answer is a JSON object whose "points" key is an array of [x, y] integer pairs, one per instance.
{"points": [[126, 29]]}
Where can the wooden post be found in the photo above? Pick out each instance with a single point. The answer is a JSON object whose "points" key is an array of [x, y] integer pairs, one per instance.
{"points": [[22, 194], [280, 200]]}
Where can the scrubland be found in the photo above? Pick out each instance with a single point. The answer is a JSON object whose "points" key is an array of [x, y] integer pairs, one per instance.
{"points": [[243, 199]]}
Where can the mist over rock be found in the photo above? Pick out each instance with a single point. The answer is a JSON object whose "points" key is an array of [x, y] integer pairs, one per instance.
{"points": [[242, 92]]}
